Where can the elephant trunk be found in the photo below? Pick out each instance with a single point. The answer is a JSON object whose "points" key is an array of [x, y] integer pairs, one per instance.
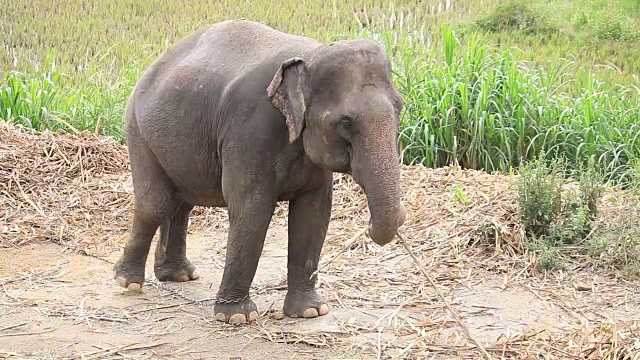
{"points": [[377, 171]]}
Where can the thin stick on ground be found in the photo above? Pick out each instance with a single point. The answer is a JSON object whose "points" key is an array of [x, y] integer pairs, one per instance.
{"points": [[453, 312], [28, 333], [13, 326]]}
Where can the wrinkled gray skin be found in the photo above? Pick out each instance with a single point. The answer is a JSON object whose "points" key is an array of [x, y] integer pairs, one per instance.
{"points": [[242, 116]]}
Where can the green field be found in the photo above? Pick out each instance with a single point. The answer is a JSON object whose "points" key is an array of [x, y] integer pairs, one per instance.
{"points": [[487, 83]]}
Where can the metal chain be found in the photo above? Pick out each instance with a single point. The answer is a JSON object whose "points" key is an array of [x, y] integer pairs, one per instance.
{"points": [[82, 252], [223, 301]]}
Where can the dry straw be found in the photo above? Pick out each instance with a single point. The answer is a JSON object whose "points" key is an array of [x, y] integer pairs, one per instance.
{"points": [[75, 190]]}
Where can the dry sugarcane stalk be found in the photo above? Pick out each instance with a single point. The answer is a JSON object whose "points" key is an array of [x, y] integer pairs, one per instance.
{"points": [[453, 312]]}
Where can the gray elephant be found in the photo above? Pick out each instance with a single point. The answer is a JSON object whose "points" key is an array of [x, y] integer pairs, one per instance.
{"points": [[240, 115]]}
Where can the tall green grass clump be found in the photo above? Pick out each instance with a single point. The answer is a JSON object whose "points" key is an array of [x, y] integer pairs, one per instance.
{"points": [[46, 101], [484, 110]]}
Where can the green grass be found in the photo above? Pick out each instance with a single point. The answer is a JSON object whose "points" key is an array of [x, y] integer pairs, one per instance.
{"points": [[46, 101], [483, 109], [603, 35], [503, 83]]}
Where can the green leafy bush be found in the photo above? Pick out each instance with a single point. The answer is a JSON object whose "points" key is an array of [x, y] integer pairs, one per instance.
{"points": [[554, 215], [539, 196], [514, 15], [608, 27]]}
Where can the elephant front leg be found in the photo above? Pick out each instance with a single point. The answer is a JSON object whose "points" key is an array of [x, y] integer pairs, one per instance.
{"points": [[248, 223], [309, 217]]}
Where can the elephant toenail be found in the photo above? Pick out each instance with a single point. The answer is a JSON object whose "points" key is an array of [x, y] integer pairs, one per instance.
{"points": [[310, 313], [221, 317], [324, 309], [121, 281], [237, 319], [293, 316], [195, 275], [183, 277], [253, 316], [134, 287]]}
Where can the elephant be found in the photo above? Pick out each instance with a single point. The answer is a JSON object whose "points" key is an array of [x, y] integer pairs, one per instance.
{"points": [[242, 116]]}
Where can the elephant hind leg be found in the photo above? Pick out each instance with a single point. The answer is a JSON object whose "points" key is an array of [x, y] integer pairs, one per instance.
{"points": [[171, 263], [155, 202]]}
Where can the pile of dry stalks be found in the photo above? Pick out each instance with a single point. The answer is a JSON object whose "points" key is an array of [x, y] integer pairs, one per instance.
{"points": [[62, 188], [75, 190]]}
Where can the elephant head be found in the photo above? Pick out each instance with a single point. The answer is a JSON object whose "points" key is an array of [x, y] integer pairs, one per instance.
{"points": [[341, 101]]}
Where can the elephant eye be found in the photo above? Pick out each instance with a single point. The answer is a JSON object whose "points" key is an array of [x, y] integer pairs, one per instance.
{"points": [[344, 127], [345, 122]]}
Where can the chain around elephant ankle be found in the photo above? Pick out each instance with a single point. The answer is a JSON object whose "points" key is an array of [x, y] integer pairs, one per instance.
{"points": [[222, 301]]}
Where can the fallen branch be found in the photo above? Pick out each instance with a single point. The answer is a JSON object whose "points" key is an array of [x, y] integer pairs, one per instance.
{"points": [[453, 312]]}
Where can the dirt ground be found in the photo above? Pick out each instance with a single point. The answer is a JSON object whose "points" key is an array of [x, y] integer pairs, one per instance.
{"points": [[57, 304], [65, 209]]}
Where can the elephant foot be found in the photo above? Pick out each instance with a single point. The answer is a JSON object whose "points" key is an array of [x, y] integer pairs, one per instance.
{"points": [[307, 304], [177, 271], [241, 312], [129, 275]]}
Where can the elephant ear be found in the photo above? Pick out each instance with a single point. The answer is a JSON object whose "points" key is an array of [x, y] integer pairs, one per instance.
{"points": [[286, 93]]}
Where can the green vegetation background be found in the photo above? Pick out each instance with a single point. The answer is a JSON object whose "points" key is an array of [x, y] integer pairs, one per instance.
{"points": [[487, 83]]}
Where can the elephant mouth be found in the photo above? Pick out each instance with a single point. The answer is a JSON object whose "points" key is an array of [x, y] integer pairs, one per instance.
{"points": [[347, 160]]}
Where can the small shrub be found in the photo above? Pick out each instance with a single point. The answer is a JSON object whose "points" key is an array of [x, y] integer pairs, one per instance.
{"points": [[574, 222], [623, 251], [580, 20], [628, 252], [617, 249], [591, 188], [553, 216], [546, 209], [616, 242], [514, 15], [608, 26], [539, 196], [547, 254]]}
